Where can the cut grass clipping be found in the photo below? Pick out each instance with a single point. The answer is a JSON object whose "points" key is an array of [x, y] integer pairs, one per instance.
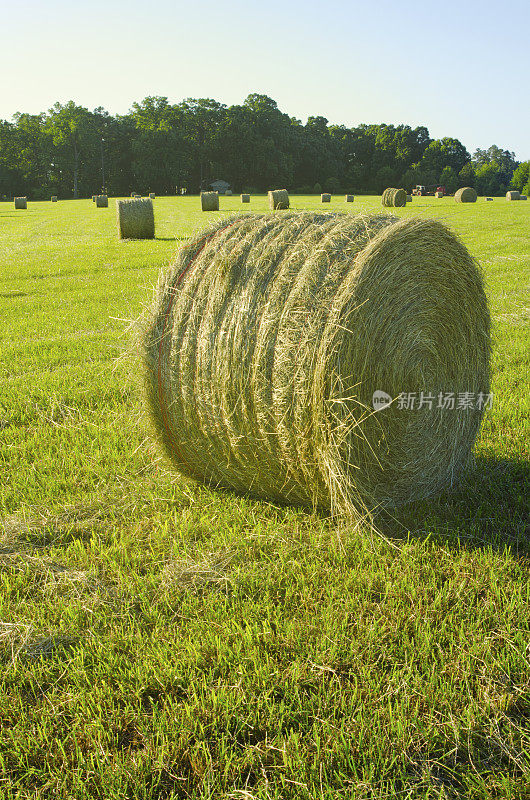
{"points": [[513, 195], [466, 195], [102, 201], [394, 198], [325, 198], [279, 200], [269, 336], [349, 198], [21, 202], [245, 198], [135, 218], [209, 201]]}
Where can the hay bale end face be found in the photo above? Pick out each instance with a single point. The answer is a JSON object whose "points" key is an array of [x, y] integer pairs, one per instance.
{"points": [[278, 200], [102, 201], [513, 195], [53, 198], [152, 195], [349, 198], [270, 337], [21, 202], [209, 201], [245, 198], [135, 218], [466, 195], [394, 198], [325, 198]]}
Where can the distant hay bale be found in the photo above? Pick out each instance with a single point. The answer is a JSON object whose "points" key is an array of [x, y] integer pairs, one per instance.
{"points": [[136, 219], [209, 201], [489, 198], [21, 202], [152, 195], [466, 195], [439, 194], [245, 198], [349, 198], [513, 195], [523, 197], [53, 198], [94, 198], [272, 337], [102, 201], [325, 198], [409, 198], [394, 198], [278, 200]]}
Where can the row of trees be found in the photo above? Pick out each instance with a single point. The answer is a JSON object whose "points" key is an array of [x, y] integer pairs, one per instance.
{"points": [[158, 146]]}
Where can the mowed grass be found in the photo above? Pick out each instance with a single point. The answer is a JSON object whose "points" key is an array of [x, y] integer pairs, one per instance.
{"points": [[158, 639]]}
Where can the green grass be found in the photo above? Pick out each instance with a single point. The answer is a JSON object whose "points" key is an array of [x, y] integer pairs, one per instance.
{"points": [[160, 640]]}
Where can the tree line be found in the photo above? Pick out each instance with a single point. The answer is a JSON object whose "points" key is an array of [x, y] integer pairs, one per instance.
{"points": [[162, 147]]}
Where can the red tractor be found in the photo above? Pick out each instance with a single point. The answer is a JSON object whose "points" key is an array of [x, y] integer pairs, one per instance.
{"points": [[421, 191]]}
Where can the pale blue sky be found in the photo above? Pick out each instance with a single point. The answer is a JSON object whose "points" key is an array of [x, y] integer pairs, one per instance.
{"points": [[459, 68]]}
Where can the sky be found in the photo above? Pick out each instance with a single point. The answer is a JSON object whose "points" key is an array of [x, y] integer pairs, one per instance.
{"points": [[460, 68]]}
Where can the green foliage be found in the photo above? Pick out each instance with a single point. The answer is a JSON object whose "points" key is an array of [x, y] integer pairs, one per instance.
{"points": [[317, 188], [521, 176], [466, 176], [332, 185], [449, 179]]}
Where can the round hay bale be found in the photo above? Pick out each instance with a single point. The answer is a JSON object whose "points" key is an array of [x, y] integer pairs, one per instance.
{"points": [[466, 195], [409, 198], [135, 218], [209, 201], [439, 194], [349, 198], [270, 337], [396, 198], [152, 195], [325, 198], [53, 198], [513, 195], [523, 197], [102, 201], [245, 198], [278, 200], [21, 202]]}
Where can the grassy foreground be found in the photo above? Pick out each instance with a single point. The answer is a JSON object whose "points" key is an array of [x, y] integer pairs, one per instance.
{"points": [[161, 640]]}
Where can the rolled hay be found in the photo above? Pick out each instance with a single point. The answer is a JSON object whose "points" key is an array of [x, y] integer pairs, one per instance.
{"points": [[245, 198], [102, 201], [269, 336], [94, 198], [325, 198], [209, 201], [21, 202], [135, 218], [409, 198], [513, 195], [152, 195], [396, 198], [439, 194], [53, 198], [349, 198], [278, 200], [466, 195], [523, 197]]}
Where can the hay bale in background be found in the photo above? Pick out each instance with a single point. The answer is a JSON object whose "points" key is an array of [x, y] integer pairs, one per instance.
{"points": [[278, 200], [152, 195], [466, 195], [245, 198], [135, 218], [102, 201], [349, 198], [439, 194], [93, 198], [21, 202], [489, 198], [523, 197], [409, 198], [325, 198], [209, 201], [269, 336], [53, 198], [394, 198], [513, 195]]}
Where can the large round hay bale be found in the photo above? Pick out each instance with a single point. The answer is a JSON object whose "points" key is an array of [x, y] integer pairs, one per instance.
{"points": [[21, 202], [349, 198], [136, 219], [53, 198], [102, 201], [513, 195], [466, 195], [245, 198], [271, 338], [278, 200], [209, 201], [394, 198], [325, 198]]}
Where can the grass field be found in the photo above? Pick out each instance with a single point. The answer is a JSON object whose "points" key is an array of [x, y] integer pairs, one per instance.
{"points": [[158, 639]]}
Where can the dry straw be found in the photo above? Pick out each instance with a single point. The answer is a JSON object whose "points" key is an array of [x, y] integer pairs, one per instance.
{"points": [[245, 198], [466, 195], [135, 218], [152, 195], [513, 195], [278, 200], [54, 198], [349, 198], [102, 201], [325, 198], [209, 201], [394, 198], [269, 335], [21, 202]]}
